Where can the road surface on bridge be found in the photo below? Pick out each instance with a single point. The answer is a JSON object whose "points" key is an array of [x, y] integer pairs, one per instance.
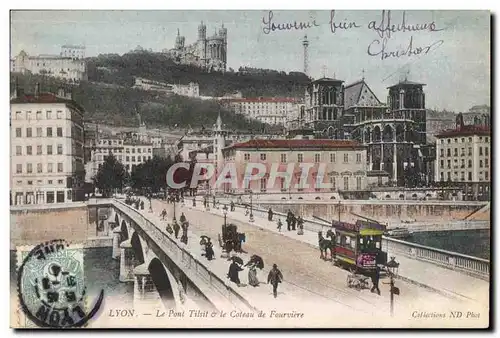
{"points": [[311, 284]]}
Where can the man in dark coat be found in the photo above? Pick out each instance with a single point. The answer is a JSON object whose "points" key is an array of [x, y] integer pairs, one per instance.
{"points": [[270, 215], [163, 214], [289, 220], [142, 205], [293, 222], [232, 206], [176, 227], [275, 277], [233, 273], [183, 218], [375, 279], [209, 251]]}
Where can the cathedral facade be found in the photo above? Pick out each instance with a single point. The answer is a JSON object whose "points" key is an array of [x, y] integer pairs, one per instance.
{"points": [[208, 52]]}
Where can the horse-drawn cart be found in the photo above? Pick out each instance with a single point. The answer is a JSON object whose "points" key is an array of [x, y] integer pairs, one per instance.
{"points": [[231, 239]]}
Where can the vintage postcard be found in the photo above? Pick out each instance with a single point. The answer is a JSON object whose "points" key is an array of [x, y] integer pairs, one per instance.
{"points": [[250, 169]]}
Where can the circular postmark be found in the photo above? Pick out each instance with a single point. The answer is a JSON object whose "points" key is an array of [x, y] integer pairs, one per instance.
{"points": [[51, 286]]}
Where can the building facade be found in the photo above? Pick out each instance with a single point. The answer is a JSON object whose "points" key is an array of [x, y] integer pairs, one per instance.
{"points": [[274, 111], [190, 90], [47, 149], [208, 52], [344, 162], [72, 69], [464, 159]]}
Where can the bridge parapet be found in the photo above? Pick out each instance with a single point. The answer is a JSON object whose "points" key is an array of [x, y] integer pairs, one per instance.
{"points": [[217, 290]]}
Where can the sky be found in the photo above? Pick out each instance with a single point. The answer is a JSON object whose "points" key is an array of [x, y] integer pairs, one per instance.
{"points": [[454, 46]]}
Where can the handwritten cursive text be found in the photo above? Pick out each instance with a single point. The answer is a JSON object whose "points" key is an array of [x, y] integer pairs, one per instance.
{"points": [[342, 25], [408, 52], [270, 26], [386, 29]]}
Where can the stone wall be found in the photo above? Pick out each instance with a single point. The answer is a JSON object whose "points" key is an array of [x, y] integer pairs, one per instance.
{"points": [[31, 226], [379, 211]]}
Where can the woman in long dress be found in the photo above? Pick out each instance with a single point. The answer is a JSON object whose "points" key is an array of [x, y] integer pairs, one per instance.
{"points": [[252, 275]]}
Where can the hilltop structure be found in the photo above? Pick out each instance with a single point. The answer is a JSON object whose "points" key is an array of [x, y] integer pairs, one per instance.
{"points": [[209, 53]]}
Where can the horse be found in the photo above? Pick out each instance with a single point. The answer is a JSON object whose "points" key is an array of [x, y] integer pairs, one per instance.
{"points": [[326, 244]]}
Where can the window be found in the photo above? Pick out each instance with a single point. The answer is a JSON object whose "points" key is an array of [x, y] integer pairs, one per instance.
{"points": [[60, 182], [262, 157], [38, 132], [19, 168], [49, 131], [346, 158], [59, 167], [358, 158], [441, 176], [28, 115], [139, 150], [29, 168], [448, 152], [133, 150], [469, 176], [59, 132], [263, 184], [463, 164], [480, 163], [59, 149], [127, 150], [29, 150], [49, 167], [486, 163], [49, 149], [50, 196], [30, 182], [39, 150], [486, 151], [300, 158], [246, 156], [19, 150], [358, 183], [470, 151], [59, 114], [462, 176], [39, 168], [449, 164], [332, 183], [18, 132], [480, 151], [60, 197], [346, 183], [19, 115], [317, 158], [282, 184], [283, 158], [455, 152], [332, 157], [133, 158], [127, 158], [49, 115], [486, 177], [29, 132], [462, 152], [441, 164]]}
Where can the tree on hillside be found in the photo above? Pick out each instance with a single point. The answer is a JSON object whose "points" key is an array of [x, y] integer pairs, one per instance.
{"points": [[111, 175]]}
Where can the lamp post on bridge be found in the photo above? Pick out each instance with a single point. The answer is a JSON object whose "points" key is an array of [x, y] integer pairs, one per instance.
{"points": [[392, 267], [251, 219], [174, 199]]}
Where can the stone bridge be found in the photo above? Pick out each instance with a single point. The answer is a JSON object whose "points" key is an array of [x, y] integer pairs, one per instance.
{"points": [[165, 275]]}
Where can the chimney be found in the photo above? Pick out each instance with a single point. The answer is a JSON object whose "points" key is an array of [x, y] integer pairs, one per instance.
{"points": [[37, 89]]}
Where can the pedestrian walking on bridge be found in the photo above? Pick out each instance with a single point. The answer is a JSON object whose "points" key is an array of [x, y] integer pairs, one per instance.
{"points": [[274, 278], [163, 214], [270, 215], [184, 238]]}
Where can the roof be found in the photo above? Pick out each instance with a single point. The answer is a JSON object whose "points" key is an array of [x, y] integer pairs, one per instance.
{"points": [[297, 144], [467, 130], [263, 99], [327, 79], [353, 95], [136, 143], [406, 83], [45, 98]]}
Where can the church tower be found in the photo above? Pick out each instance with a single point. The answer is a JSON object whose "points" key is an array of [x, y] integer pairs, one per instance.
{"points": [[219, 143], [202, 40]]}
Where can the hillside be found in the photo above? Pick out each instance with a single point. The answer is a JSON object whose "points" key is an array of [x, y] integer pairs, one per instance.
{"points": [[121, 70], [118, 105]]}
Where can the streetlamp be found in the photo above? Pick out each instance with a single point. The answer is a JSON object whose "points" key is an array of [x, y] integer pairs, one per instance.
{"points": [[224, 210], [174, 207], [392, 267], [224, 253], [251, 207]]}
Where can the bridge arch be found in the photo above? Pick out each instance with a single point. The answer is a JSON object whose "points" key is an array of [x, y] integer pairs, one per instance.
{"points": [[123, 232], [162, 282], [135, 241]]}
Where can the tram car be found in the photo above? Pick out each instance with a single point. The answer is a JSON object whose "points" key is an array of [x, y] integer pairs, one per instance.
{"points": [[358, 246]]}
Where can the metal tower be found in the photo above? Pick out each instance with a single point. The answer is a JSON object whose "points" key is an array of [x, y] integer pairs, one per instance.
{"points": [[305, 43]]}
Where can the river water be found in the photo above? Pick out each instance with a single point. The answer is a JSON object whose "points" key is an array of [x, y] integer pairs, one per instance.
{"points": [[469, 242]]}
